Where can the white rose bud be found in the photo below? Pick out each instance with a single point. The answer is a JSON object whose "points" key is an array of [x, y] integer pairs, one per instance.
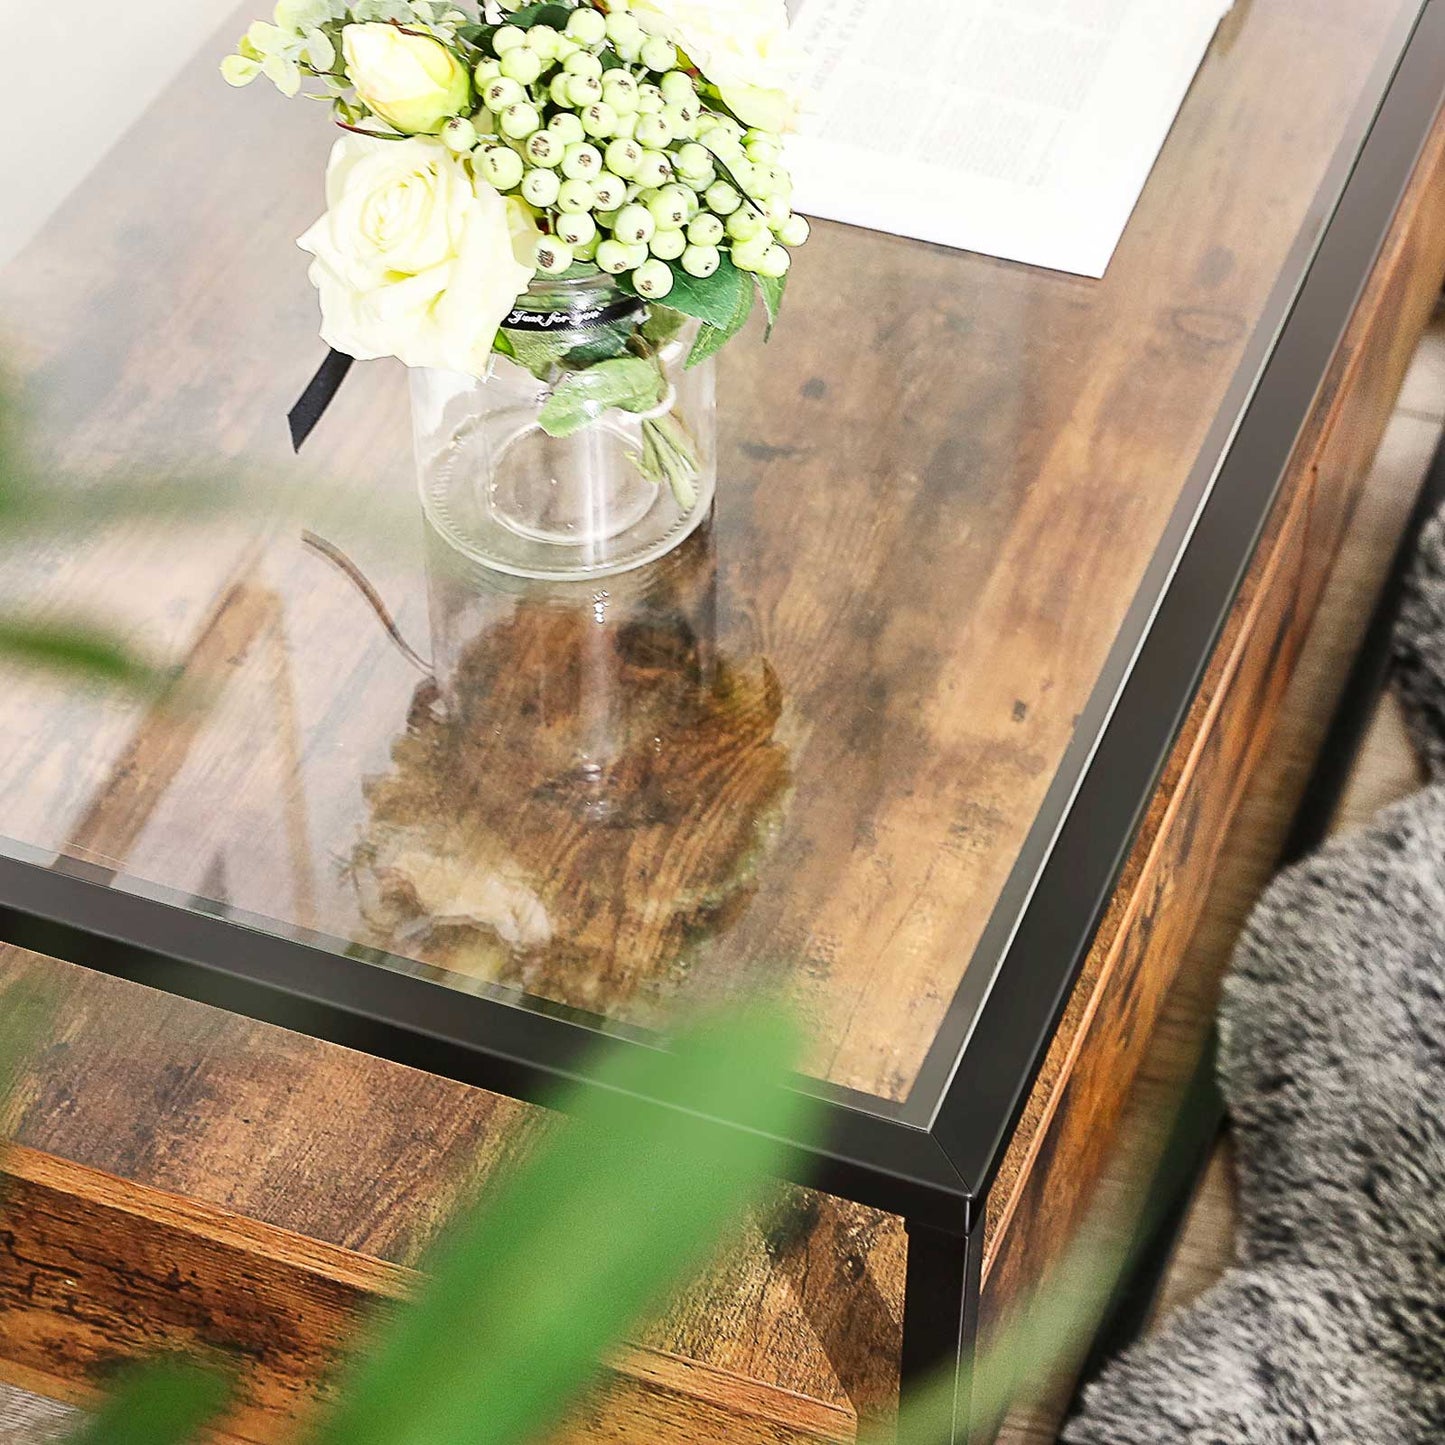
{"points": [[416, 257], [413, 82]]}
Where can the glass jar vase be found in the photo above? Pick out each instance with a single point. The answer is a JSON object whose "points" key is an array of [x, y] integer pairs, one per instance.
{"points": [[537, 471]]}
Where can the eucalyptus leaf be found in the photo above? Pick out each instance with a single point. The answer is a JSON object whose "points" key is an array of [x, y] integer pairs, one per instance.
{"points": [[669, 457], [713, 299], [539, 351], [616, 1209], [582, 396]]}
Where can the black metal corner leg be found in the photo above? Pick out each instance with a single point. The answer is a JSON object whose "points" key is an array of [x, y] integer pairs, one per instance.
{"points": [[940, 1319]]}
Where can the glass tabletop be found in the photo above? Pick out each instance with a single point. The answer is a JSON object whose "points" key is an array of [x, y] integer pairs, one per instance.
{"points": [[820, 751]]}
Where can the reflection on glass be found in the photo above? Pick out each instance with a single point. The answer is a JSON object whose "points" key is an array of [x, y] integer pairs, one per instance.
{"points": [[584, 791]]}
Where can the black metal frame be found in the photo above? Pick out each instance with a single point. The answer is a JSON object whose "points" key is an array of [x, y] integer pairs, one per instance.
{"points": [[1196, 1129], [932, 1159]]}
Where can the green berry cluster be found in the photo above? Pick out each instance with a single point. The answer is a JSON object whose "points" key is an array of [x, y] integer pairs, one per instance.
{"points": [[628, 161]]}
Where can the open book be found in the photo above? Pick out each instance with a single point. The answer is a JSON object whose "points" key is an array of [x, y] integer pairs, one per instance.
{"points": [[1024, 129]]}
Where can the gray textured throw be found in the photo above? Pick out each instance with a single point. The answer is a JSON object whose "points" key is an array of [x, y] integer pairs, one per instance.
{"points": [[1330, 1330]]}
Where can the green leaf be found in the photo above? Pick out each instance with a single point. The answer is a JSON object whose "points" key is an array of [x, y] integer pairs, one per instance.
{"points": [[539, 351], [771, 289], [662, 324], [615, 1210], [76, 649], [669, 457], [582, 396], [605, 343], [166, 1403], [714, 299], [479, 36], [549, 13], [711, 339], [25, 1012]]}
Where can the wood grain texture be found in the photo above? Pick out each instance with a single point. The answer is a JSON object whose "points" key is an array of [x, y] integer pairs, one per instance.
{"points": [[895, 693], [1143, 940], [368, 1157], [175, 1092], [1386, 769], [1111, 1018], [96, 1270], [221, 1108], [941, 489]]}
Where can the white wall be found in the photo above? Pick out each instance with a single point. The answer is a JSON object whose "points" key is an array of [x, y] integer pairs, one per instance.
{"points": [[64, 103]]}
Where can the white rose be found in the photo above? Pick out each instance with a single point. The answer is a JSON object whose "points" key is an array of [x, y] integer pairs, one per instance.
{"points": [[741, 46], [415, 257], [414, 83]]}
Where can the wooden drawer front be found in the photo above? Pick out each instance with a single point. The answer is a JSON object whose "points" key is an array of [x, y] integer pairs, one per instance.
{"points": [[1117, 1005], [1355, 406], [1071, 1124], [101, 1270]]}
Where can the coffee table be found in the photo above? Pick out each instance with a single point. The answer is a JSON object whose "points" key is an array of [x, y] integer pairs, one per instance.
{"points": [[955, 694]]}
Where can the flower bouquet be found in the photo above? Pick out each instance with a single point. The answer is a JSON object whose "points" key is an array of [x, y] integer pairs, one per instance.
{"points": [[556, 215]]}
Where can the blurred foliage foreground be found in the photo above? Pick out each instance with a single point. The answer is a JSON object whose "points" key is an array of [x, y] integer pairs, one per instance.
{"points": [[554, 1267], [534, 1283]]}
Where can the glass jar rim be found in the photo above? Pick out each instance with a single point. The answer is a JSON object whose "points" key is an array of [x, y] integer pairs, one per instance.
{"points": [[570, 290]]}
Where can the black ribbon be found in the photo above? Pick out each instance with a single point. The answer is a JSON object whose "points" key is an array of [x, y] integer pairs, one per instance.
{"points": [[578, 319], [313, 402], [322, 388]]}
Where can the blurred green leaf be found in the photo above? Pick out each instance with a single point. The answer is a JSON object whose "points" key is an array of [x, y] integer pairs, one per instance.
{"points": [[38, 495], [25, 1011], [164, 1403], [620, 1206], [76, 649]]}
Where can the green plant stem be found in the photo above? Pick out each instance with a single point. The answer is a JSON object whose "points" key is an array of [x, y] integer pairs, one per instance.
{"points": [[669, 458]]}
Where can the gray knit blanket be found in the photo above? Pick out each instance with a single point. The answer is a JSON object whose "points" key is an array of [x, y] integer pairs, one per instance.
{"points": [[1330, 1329]]}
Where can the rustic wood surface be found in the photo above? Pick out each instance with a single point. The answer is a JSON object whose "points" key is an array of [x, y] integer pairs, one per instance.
{"points": [[1020, 438], [867, 705], [1253, 842], [1386, 769], [282, 1136], [211, 1282], [1078, 1103]]}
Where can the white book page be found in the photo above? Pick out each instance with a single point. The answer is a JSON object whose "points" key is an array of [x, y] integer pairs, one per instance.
{"points": [[1024, 129]]}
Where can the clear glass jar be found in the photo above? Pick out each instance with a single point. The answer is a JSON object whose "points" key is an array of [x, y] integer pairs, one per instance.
{"points": [[620, 491]]}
